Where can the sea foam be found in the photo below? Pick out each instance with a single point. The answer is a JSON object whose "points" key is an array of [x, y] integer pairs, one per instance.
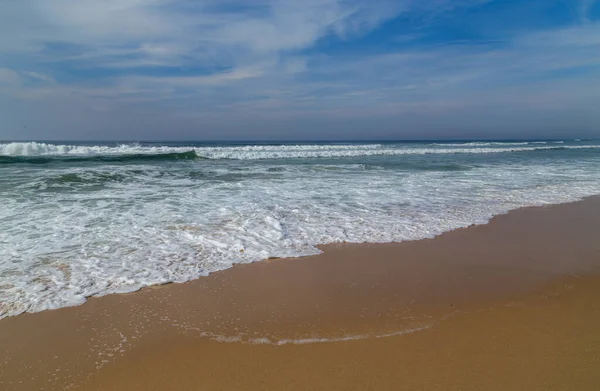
{"points": [[82, 228], [257, 152]]}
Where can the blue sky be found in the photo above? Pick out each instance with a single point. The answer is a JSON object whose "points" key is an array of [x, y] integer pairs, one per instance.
{"points": [[288, 69]]}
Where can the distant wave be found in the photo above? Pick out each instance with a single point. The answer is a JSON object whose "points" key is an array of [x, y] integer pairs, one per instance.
{"points": [[41, 153], [486, 144], [41, 149], [44, 159], [496, 143]]}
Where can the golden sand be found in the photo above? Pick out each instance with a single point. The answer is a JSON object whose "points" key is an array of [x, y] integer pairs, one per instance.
{"points": [[509, 305]]}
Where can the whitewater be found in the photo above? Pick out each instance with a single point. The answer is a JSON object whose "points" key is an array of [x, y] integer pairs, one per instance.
{"points": [[254, 152], [89, 219]]}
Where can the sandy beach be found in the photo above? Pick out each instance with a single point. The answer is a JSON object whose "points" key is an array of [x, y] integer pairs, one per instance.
{"points": [[507, 305], [279, 195]]}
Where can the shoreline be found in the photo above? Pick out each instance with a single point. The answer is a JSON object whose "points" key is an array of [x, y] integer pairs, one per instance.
{"points": [[321, 247], [365, 290]]}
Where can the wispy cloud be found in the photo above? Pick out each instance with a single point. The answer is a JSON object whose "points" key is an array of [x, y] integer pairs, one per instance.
{"points": [[315, 58], [179, 32]]}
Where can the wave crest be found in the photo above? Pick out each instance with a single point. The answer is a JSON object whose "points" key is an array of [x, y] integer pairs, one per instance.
{"points": [[34, 152]]}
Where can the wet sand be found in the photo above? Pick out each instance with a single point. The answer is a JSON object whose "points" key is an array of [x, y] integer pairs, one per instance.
{"points": [[508, 305]]}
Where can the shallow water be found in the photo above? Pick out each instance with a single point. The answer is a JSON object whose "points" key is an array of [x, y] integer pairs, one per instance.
{"points": [[95, 218]]}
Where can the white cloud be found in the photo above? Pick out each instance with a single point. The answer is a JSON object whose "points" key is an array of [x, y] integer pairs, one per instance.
{"points": [[226, 41], [171, 29]]}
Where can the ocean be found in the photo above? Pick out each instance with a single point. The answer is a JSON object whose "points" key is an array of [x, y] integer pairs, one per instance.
{"points": [[89, 219]]}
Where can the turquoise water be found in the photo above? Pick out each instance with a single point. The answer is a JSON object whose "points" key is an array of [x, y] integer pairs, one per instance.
{"points": [[84, 219]]}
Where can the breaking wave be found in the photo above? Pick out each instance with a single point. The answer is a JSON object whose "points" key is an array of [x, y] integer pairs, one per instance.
{"points": [[42, 153]]}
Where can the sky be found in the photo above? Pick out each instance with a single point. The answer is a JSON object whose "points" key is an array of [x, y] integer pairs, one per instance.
{"points": [[299, 69]]}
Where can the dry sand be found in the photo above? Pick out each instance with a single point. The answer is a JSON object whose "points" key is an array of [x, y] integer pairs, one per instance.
{"points": [[513, 304]]}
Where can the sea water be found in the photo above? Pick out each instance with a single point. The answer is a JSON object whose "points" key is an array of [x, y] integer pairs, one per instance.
{"points": [[85, 219]]}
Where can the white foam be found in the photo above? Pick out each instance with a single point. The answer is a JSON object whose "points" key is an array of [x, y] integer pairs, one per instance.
{"points": [[307, 341], [63, 241], [290, 153], [487, 144], [256, 152], [44, 149]]}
